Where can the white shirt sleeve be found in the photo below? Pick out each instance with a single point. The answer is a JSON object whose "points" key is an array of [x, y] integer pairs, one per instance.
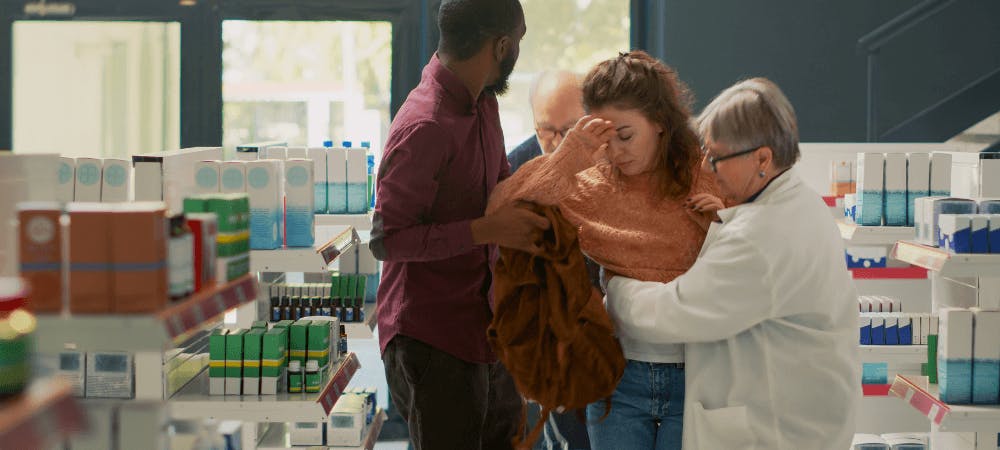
{"points": [[727, 291]]}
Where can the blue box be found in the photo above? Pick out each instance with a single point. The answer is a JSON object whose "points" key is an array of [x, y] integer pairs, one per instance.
{"points": [[866, 257], [878, 331], [865, 327], [947, 206], [905, 331], [980, 233], [891, 331], [994, 233], [955, 232]]}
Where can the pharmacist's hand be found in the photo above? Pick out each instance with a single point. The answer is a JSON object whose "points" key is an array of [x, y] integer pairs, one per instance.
{"points": [[513, 227], [594, 131], [706, 204]]}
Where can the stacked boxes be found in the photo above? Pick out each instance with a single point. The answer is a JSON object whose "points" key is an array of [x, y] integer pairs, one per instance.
{"points": [[88, 180], [253, 342], [234, 362], [139, 257], [265, 186], [940, 175], [170, 176], [318, 157], [954, 353], [234, 177], [232, 213], [357, 181], [217, 362], [89, 258], [299, 203], [274, 360], [208, 177], [871, 172], [116, 180], [918, 181], [40, 254], [986, 357], [895, 190], [336, 179], [969, 233], [66, 179]]}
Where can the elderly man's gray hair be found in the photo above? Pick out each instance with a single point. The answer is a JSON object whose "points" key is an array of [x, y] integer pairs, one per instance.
{"points": [[753, 113]]}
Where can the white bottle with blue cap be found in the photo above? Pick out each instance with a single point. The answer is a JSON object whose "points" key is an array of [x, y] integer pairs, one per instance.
{"points": [[357, 180]]}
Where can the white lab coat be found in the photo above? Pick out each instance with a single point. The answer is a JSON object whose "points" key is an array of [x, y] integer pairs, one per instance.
{"points": [[769, 317]]}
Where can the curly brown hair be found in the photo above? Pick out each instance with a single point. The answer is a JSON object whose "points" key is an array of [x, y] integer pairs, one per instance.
{"points": [[635, 80]]}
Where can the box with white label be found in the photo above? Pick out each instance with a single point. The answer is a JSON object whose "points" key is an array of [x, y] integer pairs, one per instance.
{"points": [[67, 179], [265, 186], [208, 177], [895, 189], [956, 232], [357, 181], [116, 176], [870, 189], [318, 157], [234, 177], [986, 357], [955, 355], [110, 375], [347, 421], [88, 180], [918, 182], [297, 153], [940, 174], [336, 180], [276, 152], [989, 174], [299, 207], [69, 366], [169, 176]]}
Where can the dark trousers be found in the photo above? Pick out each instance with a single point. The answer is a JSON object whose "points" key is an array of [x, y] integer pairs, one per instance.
{"points": [[449, 403]]}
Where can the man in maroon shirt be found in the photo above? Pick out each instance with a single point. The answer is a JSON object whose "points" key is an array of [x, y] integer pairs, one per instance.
{"points": [[444, 155]]}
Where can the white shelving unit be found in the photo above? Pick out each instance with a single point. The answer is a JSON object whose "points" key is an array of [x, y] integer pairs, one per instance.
{"points": [[358, 221], [894, 354], [308, 260], [947, 264], [855, 234], [41, 417], [947, 418], [193, 402], [276, 437], [143, 332]]}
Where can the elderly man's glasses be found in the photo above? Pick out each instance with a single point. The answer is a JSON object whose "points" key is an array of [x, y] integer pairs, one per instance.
{"points": [[713, 160], [546, 133]]}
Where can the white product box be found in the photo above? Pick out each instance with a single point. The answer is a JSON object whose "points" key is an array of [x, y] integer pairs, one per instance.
{"points": [[870, 188], [944, 205], [88, 180], [169, 176], [69, 366], [299, 206], [110, 375], [955, 355], [297, 153], [895, 189], [357, 181], [986, 357], [940, 174], [336, 179], [916, 321], [347, 422], [264, 186], [956, 232], [850, 202], [918, 182], [66, 180], [989, 174], [367, 264], [925, 328], [234, 177], [276, 152], [116, 180], [307, 433], [208, 177], [868, 442], [319, 159], [349, 260]]}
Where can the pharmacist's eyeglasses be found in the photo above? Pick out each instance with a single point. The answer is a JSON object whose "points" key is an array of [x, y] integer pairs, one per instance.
{"points": [[546, 133], [713, 160]]}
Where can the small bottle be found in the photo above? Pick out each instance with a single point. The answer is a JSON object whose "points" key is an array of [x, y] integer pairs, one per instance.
{"points": [[338, 309], [343, 340], [294, 376], [275, 309], [348, 310], [313, 382], [360, 310], [286, 308], [326, 310], [296, 308], [180, 251]]}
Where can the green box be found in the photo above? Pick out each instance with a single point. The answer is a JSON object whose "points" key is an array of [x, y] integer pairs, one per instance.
{"points": [[233, 267], [362, 287], [196, 204], [314, 380], [217, 362], [234, 362], [348, 284], [319, 342], [252, 343], [274, 360], [335, 281], [259, 324], [297, 341], [932, 368], [232, 244], [284, 324], [233, 211]]}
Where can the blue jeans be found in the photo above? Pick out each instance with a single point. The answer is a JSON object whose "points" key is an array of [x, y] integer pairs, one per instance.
{"points": [[647, 410]]}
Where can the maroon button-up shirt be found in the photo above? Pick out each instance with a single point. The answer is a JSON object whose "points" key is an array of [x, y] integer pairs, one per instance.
{"points": [[443, 157]]}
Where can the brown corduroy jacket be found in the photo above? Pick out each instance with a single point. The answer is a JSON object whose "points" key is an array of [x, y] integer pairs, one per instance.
{"points": [[550, 328]]}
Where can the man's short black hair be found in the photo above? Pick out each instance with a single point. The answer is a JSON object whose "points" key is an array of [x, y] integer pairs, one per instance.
{"points": [[466, 25]]}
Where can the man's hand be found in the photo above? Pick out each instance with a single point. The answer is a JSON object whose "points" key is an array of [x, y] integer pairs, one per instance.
{"points": [[512, 227]]}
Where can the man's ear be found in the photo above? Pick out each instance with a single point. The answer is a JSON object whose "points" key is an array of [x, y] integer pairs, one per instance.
{"points": [[501, 47]]}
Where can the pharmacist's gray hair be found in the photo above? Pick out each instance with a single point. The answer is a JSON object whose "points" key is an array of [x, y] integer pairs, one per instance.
{"points": [[753, 113]]}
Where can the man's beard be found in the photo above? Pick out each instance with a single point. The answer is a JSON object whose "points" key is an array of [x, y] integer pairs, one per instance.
{"points": [[500, 87]]}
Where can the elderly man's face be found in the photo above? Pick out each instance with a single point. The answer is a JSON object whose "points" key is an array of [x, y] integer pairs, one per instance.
{"points": [[555, 113]]}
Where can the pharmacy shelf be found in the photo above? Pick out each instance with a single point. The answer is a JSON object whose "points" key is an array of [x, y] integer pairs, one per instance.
{"points": [[855, 234], [945, 263], [309, 260], [143, 332], [950, 418], [890, 273], [193, 402], [894, 354], [41, 417], [276, 437], [358, 221], [366, 329]]}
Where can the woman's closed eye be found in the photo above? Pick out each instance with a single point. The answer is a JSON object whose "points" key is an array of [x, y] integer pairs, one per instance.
{"points": [[625, 138]]}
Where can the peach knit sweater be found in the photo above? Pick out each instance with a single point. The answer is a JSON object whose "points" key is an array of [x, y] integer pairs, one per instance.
{"points": [[621, 224]]}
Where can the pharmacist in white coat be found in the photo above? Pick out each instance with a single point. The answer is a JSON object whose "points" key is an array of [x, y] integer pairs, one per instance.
{"points": [[769, 311]]}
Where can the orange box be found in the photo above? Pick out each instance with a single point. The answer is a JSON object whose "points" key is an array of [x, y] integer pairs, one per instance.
{"points": [[139, 257], [90, 258], [40, 247]]}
